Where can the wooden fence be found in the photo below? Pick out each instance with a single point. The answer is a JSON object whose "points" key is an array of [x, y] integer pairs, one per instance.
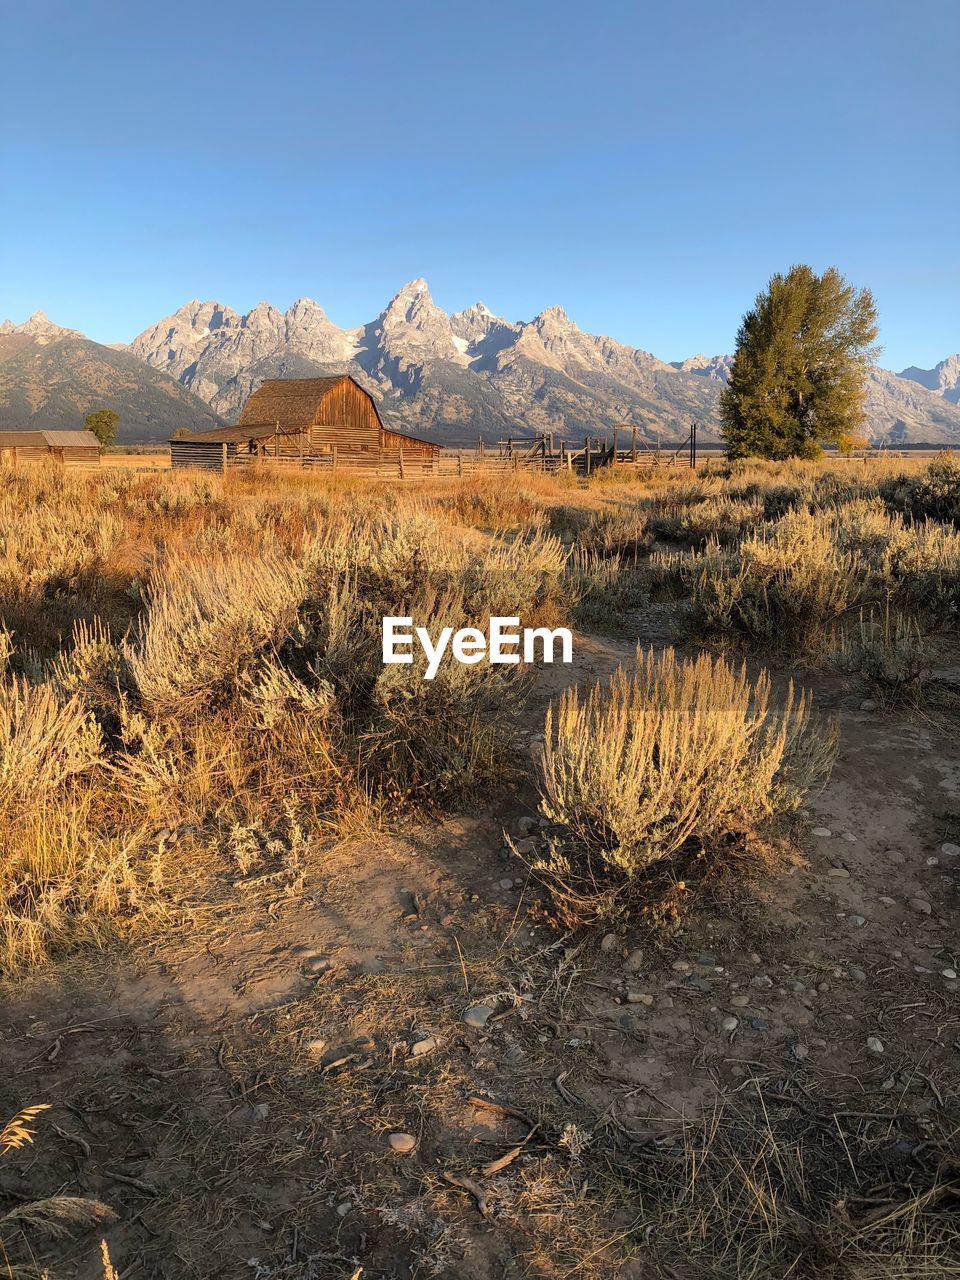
{"points": [[509, 457]]}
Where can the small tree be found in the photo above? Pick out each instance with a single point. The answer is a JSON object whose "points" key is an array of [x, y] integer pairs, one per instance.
{"points": [[797, 378], [848, 442], [103, 423]]}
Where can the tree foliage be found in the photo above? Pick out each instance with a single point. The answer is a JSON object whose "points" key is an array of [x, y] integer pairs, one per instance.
{"points": [[103, 423], [798, 375]]}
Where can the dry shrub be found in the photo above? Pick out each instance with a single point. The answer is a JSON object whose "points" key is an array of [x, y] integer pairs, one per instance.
{"points": [[784, 588], [617, 531], [45, 741], [677, 752], [933, 494], [207, 622], [886, 649], [441, 739], [722, 519]]}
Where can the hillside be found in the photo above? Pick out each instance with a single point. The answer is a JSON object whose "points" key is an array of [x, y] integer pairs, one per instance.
{"points": [[54, 377]]}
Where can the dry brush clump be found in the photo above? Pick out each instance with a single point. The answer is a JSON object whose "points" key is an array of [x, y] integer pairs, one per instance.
{"points": [[783, 588], [677, 753]]}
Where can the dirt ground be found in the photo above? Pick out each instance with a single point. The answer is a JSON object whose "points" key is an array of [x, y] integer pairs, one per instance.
{"points": [[229, 1086]]}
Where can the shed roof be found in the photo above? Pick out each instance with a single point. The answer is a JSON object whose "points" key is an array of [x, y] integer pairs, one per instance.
{"points": [[52, 439], [293, 401], [233, 435]]}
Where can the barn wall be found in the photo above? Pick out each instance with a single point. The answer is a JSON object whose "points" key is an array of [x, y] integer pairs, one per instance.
{"points": [[81, 455]]}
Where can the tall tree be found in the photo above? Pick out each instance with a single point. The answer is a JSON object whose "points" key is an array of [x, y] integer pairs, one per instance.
{"points": [[103, 423], [798, 375]]}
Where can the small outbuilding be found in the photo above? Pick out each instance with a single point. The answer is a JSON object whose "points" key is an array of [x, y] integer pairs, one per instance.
{"points": [[69, 448], [313, 422]]}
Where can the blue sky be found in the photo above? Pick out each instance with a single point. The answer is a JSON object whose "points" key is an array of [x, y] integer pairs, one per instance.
{"points": [[645, 166]]}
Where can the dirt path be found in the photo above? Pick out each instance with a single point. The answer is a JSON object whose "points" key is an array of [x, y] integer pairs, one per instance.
{"points": [[229, 1089]]}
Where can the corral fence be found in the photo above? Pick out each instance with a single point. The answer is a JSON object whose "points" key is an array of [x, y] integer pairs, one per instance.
{"points": [[623, 447]]}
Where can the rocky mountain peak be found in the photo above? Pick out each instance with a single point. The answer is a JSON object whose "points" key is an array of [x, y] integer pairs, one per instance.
{"points": [[37, 326], [476, 324], [943, 378], [412, 327]]}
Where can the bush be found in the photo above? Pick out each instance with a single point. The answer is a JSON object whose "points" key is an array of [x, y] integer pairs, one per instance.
{"points": [[783, 589], [206, 623], [885, 649], [679, 751], [931, 495]]}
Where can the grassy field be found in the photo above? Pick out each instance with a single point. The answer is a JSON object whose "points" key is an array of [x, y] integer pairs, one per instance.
{"points": [[641, 966]]}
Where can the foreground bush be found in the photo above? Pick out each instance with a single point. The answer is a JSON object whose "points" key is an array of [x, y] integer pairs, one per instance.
{"points": [[677, 752]]}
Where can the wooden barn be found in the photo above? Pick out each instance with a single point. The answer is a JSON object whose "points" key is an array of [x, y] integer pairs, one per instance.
{"points": [[311, 422], [69, 448]]}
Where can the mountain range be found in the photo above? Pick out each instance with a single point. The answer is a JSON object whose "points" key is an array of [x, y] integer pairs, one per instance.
{"points": [[452, 377]]}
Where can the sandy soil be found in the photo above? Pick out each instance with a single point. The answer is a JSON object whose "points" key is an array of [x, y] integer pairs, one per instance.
{"points": [[229, 1087]]}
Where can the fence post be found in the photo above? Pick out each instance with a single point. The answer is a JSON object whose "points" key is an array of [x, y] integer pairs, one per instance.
{"points": [[459, 463], [586, 454], [633, 444], [223, 457], [401, 462], [334, 456], [614, 445]]}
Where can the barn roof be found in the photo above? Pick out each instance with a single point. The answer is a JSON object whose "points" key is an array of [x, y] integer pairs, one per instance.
{"points": [[293, 401], [50, 438], [233, 435]]}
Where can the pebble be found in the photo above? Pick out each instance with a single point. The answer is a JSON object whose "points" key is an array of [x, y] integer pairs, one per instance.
{"points": [[740, 1002], [633, 962], [895, 856], [933, 862], [760, 1024], [887, 902], [921, 905], [525, 847], [526, 824], [949, 974], [950, 850], [700, 984], [639, 997], [800, 1051], [477, 1015], [318, 964], [850, 837], [608, 942], [343, 1208], [874, 1045], [858, 975], [794, 984], [666, 1002], [824, 832], [506, 884], [316, 1048], [421, 1047], [868, 704], [762, 981], [681, 966], [707, 960], [402, 1142], [857, 921], [839, 873], [730, 1023]]}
